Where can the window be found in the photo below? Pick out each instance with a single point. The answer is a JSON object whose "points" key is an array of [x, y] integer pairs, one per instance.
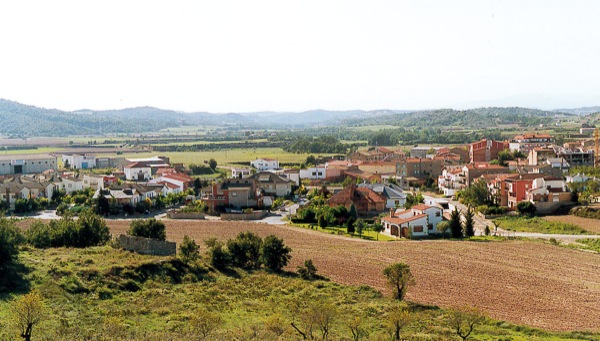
{"points": [[418, 228]]}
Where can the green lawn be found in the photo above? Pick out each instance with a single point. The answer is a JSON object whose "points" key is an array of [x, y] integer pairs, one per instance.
{"points": [[537, 225], [367, 234]]}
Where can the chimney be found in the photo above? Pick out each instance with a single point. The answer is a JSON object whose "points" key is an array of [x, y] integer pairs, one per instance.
{"points": [[392, 211]]}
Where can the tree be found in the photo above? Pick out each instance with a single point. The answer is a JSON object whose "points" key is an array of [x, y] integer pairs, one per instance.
{"points": [[245, 250], [352, 213], [463, 321], [188, 250], [10, 239], [378, 228], [218, 256], [397, 319], [469, 225], [475, 195], [443, 227], [357, 329], [197, 186], [526, 208], [91, 230], [455, 224], [308, 271], [212, 163], [102, 205], [360, 227], [274, 254], [350, 225], [27, 311], [505, 155], [399, 278], [149, 228], [310, 160]]}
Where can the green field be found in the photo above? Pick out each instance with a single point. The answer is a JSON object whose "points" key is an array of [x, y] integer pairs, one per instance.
{"points": [[538, 225], [228, 156], [101, 293]]}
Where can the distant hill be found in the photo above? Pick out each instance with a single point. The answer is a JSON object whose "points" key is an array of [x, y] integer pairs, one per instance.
{"points": [[481, 118], [30, 121], [580, 111]]}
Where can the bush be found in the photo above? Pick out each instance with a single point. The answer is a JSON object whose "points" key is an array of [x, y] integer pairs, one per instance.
{"points": [[188, 250], [350, 225], [62, 209], [10, 239], [245, 250], [218, 256], [149, 228], [274, 254], [526, 207], [88, 230], [308, 271]]}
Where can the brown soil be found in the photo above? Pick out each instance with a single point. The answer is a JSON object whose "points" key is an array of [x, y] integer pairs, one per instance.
{"points": [[588, 224], [522, 282]]}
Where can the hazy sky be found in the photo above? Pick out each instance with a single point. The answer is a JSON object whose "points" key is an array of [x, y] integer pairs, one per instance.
{"points": [[240, 56]]}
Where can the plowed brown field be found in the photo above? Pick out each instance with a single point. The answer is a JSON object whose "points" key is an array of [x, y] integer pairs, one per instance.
{"points": [[518, 281]]}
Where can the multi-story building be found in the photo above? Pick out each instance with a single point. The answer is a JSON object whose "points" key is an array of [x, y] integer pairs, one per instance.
{"points": [[79, 161], [526, 142], [265, 164], [485, 150]]}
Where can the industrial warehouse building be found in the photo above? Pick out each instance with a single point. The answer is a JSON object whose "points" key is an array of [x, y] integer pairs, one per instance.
{"points": [[27, 164]]}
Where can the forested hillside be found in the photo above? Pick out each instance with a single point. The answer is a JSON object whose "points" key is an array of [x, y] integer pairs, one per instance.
{"points": [[481, 118]]}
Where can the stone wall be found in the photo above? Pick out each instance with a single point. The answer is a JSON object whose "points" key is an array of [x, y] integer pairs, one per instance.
{"points": [[256, 215], [147, 246], [185, 215]]}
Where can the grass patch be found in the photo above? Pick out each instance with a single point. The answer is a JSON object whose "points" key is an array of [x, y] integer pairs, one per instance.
{"points": [[102, 293], [367, 234], [538, 225]]}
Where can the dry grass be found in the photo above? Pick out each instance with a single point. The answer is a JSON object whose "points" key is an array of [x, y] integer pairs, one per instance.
{"points": [[518, 281], [588, 224]]}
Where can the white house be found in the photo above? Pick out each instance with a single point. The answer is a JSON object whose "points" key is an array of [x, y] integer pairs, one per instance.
{"points": [[265, 164], [240, 173], [314, 173], [451, 181], [138, 171], [94, 181], [419, 221], [577, 178], [79, 161], [70, 184]]}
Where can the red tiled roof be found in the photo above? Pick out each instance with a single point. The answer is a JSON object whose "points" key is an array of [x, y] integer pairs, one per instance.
{"points": [[137, 165], [403, 220], [421, 207]]}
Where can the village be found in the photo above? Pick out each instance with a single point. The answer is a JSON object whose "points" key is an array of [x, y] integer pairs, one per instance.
{"points": [[379, 184]]}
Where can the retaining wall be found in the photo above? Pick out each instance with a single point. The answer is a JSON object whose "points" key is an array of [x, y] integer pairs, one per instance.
{"points": [[256, 215], [147, 246]]}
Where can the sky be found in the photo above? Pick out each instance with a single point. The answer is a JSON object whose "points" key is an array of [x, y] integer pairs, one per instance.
{"points": [[244, 56]]}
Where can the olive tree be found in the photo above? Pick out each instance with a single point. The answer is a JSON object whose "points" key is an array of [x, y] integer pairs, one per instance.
{"points": [[399, 278]]}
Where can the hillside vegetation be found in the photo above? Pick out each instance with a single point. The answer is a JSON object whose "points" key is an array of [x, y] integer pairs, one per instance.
{"points": [[101, 293]]}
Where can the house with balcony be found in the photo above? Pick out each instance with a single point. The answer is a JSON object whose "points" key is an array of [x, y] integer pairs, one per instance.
{"points": [[451, 181]]}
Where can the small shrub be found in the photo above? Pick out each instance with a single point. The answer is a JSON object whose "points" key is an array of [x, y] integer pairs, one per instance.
{"points": [[274, 254], [188, 250], [149, 228], [308, 271]]}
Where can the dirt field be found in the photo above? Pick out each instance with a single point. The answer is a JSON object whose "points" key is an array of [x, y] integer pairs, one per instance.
{"points": [[522, 282], [592, 225]]}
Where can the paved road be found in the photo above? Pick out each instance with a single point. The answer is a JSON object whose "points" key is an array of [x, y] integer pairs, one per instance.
{"points": [[481, 223]]}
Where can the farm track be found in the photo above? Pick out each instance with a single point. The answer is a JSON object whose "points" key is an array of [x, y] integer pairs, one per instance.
{"points": [[523, 282]]}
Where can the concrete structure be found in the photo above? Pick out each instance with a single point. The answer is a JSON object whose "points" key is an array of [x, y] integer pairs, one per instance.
{"points": [[79, 161], [272, 184], [27, 164], [424, 152], [419, 168], [147, 246], [265, 164], [575, 156], [452, 180], [539, 155]]}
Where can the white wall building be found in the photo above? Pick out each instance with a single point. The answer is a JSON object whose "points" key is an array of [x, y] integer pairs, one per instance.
{"points": [[265, 164], [138, 171], [26, 164], [240, 173], [79, 161], [314, 173], [419, 221]]}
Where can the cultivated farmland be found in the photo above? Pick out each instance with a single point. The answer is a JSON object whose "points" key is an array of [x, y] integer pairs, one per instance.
{"points": [[519, 281]]}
